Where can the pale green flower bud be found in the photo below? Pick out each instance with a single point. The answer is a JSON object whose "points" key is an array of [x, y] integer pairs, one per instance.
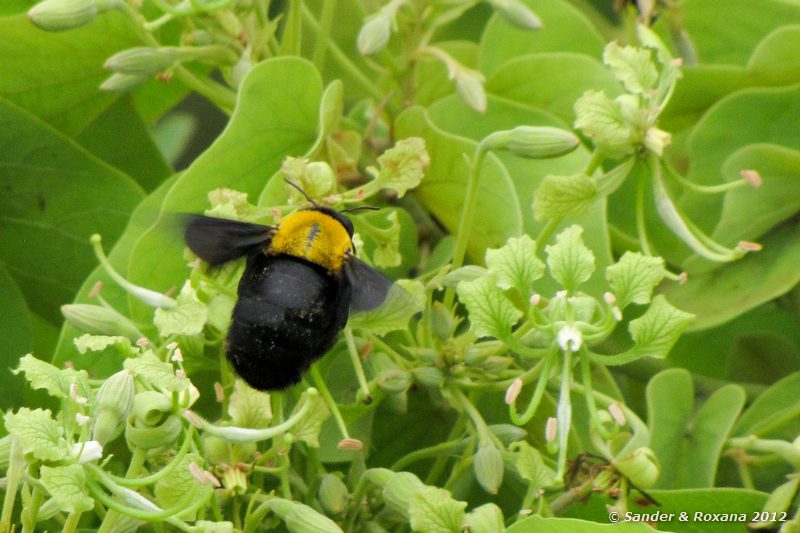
{"points": [[143, 60], [121, 83], [442, 321], [641, 467], [98, 320], [333, 494], [374, 34], [234, 480], [508, 433], [517, 13], [153, 437], [394, 381], [469, 86], [399, 489], [533, 141], [113, 404], [150, 407], [428, 376], [319, 179], [488, 465], [300, 518], [58, 15]]}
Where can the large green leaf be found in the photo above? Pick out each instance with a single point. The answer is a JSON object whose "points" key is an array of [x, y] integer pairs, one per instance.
{"points": [[55, 195], [120, 137], [276, 116], [688, 443], [552, 81], [729, 37], [16, 339], [442, 190], [55, 75], [565, 30], [774, 414], [573, 525], [720, 295]]}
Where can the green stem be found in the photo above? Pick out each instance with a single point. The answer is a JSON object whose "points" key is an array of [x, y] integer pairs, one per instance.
{"points": [[641, 228], [71, 525], [357, 366], [326, 395], [472, 412], [29, 516], [344, 62], [425, 453], [704, 189], [564, 412], [538, 392], [588, 394], [324, 35], [291, 40], [547, 232], [441, 461], [467, 216], [14, 473]]}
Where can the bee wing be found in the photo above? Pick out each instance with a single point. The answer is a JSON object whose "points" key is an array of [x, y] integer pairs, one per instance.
{"points": [[218, 240], [369, 286]]}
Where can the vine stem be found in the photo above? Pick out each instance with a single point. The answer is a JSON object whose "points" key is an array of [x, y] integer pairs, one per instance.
{"points": [[467, 216], [357, 366], [324, 34], [326, 395], [71, 525]]}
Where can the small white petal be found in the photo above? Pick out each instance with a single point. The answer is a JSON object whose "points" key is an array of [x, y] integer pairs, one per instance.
{"points": [[569, 338]]}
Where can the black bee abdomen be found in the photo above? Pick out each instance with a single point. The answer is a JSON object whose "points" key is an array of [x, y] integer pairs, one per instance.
{"points": [[288, 315]]}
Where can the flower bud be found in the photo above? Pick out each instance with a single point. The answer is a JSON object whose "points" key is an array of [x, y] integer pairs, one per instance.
{"points": [[428, 376], [98, 320], [150, 407], [122, 83], [319, 179], [488, 465], [333, 494], [113, 404], [469, 86], [516, 13], [399, 489], [300, 518], [533, 141], [508, 433], [374, 34], [143, 60], [394, 381], [153, 437], [58, 15], [641, 467], [488, 518], [86, 452], [234, 480]]}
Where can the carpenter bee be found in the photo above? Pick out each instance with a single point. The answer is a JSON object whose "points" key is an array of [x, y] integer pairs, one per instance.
{"points": [[300, 282]]}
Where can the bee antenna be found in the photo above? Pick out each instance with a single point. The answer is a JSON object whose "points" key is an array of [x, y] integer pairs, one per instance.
{"points": [[359, 208], [296, 186]]}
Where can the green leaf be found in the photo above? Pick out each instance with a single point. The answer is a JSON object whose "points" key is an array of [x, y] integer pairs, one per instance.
{"points": [[748, 213], [515, 264], [405, 299], [726, 293], [130, 149], [561, 196], [571, 263], [632, 66], [248, 407], [634, 277], [309, 427], [55, 196], [573, 525], [771, 409], [565, 29], [57, 74], [98, 343], [561, 78], [67, 485], [55, 381], [38, 433], [156, 372], [530, 465], [657, 330], [491, 313], [604, 121], [433, 510], [443, 189], [180, 487], [689, 445], [488, 518], [186, 318], [16, 339], [402, 166]]}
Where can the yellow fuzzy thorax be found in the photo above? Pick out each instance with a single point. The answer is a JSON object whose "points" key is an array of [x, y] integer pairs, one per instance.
{"points": [[314, 236]]}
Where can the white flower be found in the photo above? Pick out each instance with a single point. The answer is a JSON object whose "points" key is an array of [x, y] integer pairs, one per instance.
{"points": [[569, 338], [87, 451]]}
